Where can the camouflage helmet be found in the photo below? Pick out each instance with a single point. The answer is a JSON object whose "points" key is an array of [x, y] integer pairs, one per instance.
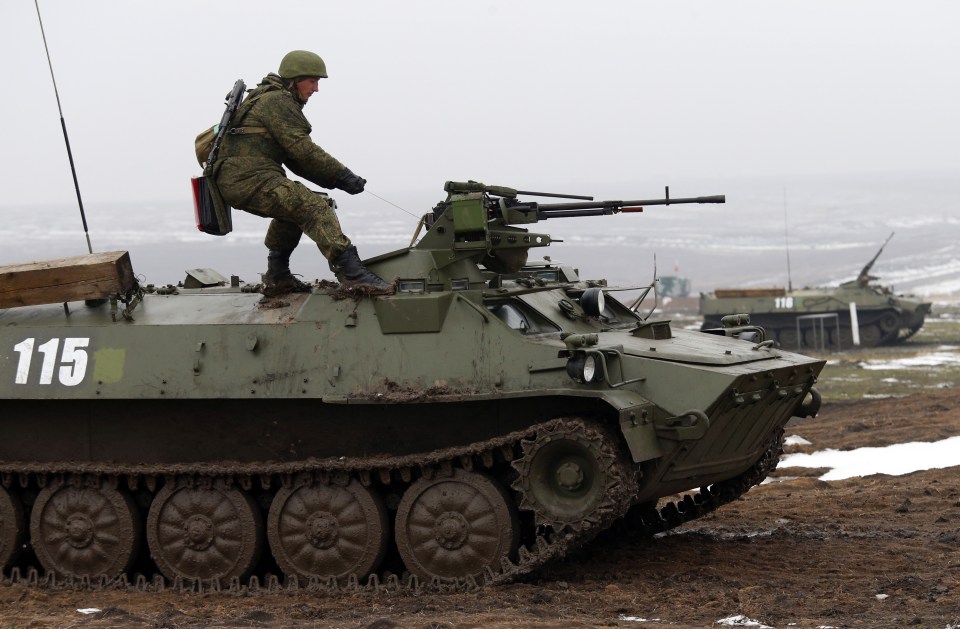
{"points": [[298, 63]]}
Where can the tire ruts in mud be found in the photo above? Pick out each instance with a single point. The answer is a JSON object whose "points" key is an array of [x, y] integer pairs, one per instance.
{"points": [[542, 543]]}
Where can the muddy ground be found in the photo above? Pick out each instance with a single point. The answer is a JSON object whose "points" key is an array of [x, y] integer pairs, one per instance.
{"points": [[880, 551]]}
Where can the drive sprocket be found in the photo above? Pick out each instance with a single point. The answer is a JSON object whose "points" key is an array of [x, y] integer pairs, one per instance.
{"points": [[572, 475]]}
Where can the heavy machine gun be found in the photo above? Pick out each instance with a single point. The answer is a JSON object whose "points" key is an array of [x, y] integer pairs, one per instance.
{"points": [[508, 208], [479, 218]]}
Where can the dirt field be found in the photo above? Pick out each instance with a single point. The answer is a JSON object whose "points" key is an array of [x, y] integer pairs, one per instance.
{"points": [[881, 551]]}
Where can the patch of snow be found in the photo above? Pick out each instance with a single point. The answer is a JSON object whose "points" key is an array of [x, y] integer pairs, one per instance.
{"points": [[741, 621], [946, 355], [880, 597], [796, 440], [637, 619], [89, 610], [895, 460]]}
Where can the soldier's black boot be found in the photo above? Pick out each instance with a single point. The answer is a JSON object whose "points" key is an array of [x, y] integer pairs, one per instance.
{"points": [[278, 280], [350, 270]]}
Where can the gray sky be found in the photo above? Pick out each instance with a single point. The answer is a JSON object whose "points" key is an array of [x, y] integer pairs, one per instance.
{"points": [[528, 94]]}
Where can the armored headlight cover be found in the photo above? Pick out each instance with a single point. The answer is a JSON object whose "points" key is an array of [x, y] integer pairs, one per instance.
{"points": [[584, 368], [593, 302]]}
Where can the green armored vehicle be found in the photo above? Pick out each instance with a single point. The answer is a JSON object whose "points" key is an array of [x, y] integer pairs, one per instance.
{"points": [[821, 317], [490, 415]]}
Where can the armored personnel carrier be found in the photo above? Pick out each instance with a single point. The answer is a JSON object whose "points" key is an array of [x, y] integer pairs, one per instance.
{"points": [[821, 317], [491, 414]]}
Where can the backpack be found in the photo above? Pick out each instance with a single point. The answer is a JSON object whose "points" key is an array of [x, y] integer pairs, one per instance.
{"points": [[210, 210], [204, 144]]}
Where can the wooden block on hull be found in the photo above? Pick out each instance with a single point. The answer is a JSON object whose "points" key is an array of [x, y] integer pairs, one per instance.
{"points": [[93, 276]]}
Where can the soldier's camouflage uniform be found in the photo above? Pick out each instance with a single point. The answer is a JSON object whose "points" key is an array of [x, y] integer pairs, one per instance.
{"points": [[250, 175]]}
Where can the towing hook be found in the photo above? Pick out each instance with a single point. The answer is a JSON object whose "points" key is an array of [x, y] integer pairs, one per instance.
{"points": [[809, 408]]}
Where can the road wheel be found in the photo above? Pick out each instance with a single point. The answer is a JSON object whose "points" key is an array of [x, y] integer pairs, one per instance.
{"points": [[11, 527], [204, 533], [889, 322], [455, 526], [328, 530], [844, 340], [84, 531], [788, 338]]}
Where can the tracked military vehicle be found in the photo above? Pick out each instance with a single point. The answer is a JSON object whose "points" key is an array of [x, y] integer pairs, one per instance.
{"points": [[492, 414], [821, 317]]}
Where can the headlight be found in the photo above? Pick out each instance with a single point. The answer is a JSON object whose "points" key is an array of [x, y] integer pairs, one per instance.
{"points": [[584, 368], [589, 367], [593, 302]]}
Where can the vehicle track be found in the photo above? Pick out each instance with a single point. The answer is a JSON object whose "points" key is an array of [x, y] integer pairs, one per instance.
{"points": [[541, 536]]}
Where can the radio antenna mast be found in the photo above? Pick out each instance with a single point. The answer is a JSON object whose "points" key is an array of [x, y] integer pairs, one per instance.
{"points": [[63, 125], [786, 239]]}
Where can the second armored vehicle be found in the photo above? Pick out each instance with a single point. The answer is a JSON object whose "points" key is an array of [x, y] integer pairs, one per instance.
{"points": [[812, 317]]}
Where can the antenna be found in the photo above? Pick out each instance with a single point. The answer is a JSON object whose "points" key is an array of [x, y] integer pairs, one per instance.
{"points": [[656, 293], [63, 125], [786, 240]]}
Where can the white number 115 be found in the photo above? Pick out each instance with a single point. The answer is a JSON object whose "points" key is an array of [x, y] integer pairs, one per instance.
{"points": [[73, 360]]}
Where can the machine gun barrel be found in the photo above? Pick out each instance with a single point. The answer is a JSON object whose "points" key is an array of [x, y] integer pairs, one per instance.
{"points": [[597, 208], [864, 276]]}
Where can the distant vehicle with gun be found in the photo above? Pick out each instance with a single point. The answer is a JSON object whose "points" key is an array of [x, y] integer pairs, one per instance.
{"points": [[882, 316], [494, 413]]}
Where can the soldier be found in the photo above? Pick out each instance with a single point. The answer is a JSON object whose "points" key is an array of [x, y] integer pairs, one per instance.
{"points": [[270, 131]]}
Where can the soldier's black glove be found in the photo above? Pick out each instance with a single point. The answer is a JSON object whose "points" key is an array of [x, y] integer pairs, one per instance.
{"points": [[349, 182]]}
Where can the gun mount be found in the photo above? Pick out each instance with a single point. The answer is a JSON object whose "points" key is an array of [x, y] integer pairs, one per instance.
{"points": [[477, 220]]}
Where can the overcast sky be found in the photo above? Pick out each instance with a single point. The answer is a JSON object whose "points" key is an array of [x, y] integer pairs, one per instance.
{"points": [[520, 93]]}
